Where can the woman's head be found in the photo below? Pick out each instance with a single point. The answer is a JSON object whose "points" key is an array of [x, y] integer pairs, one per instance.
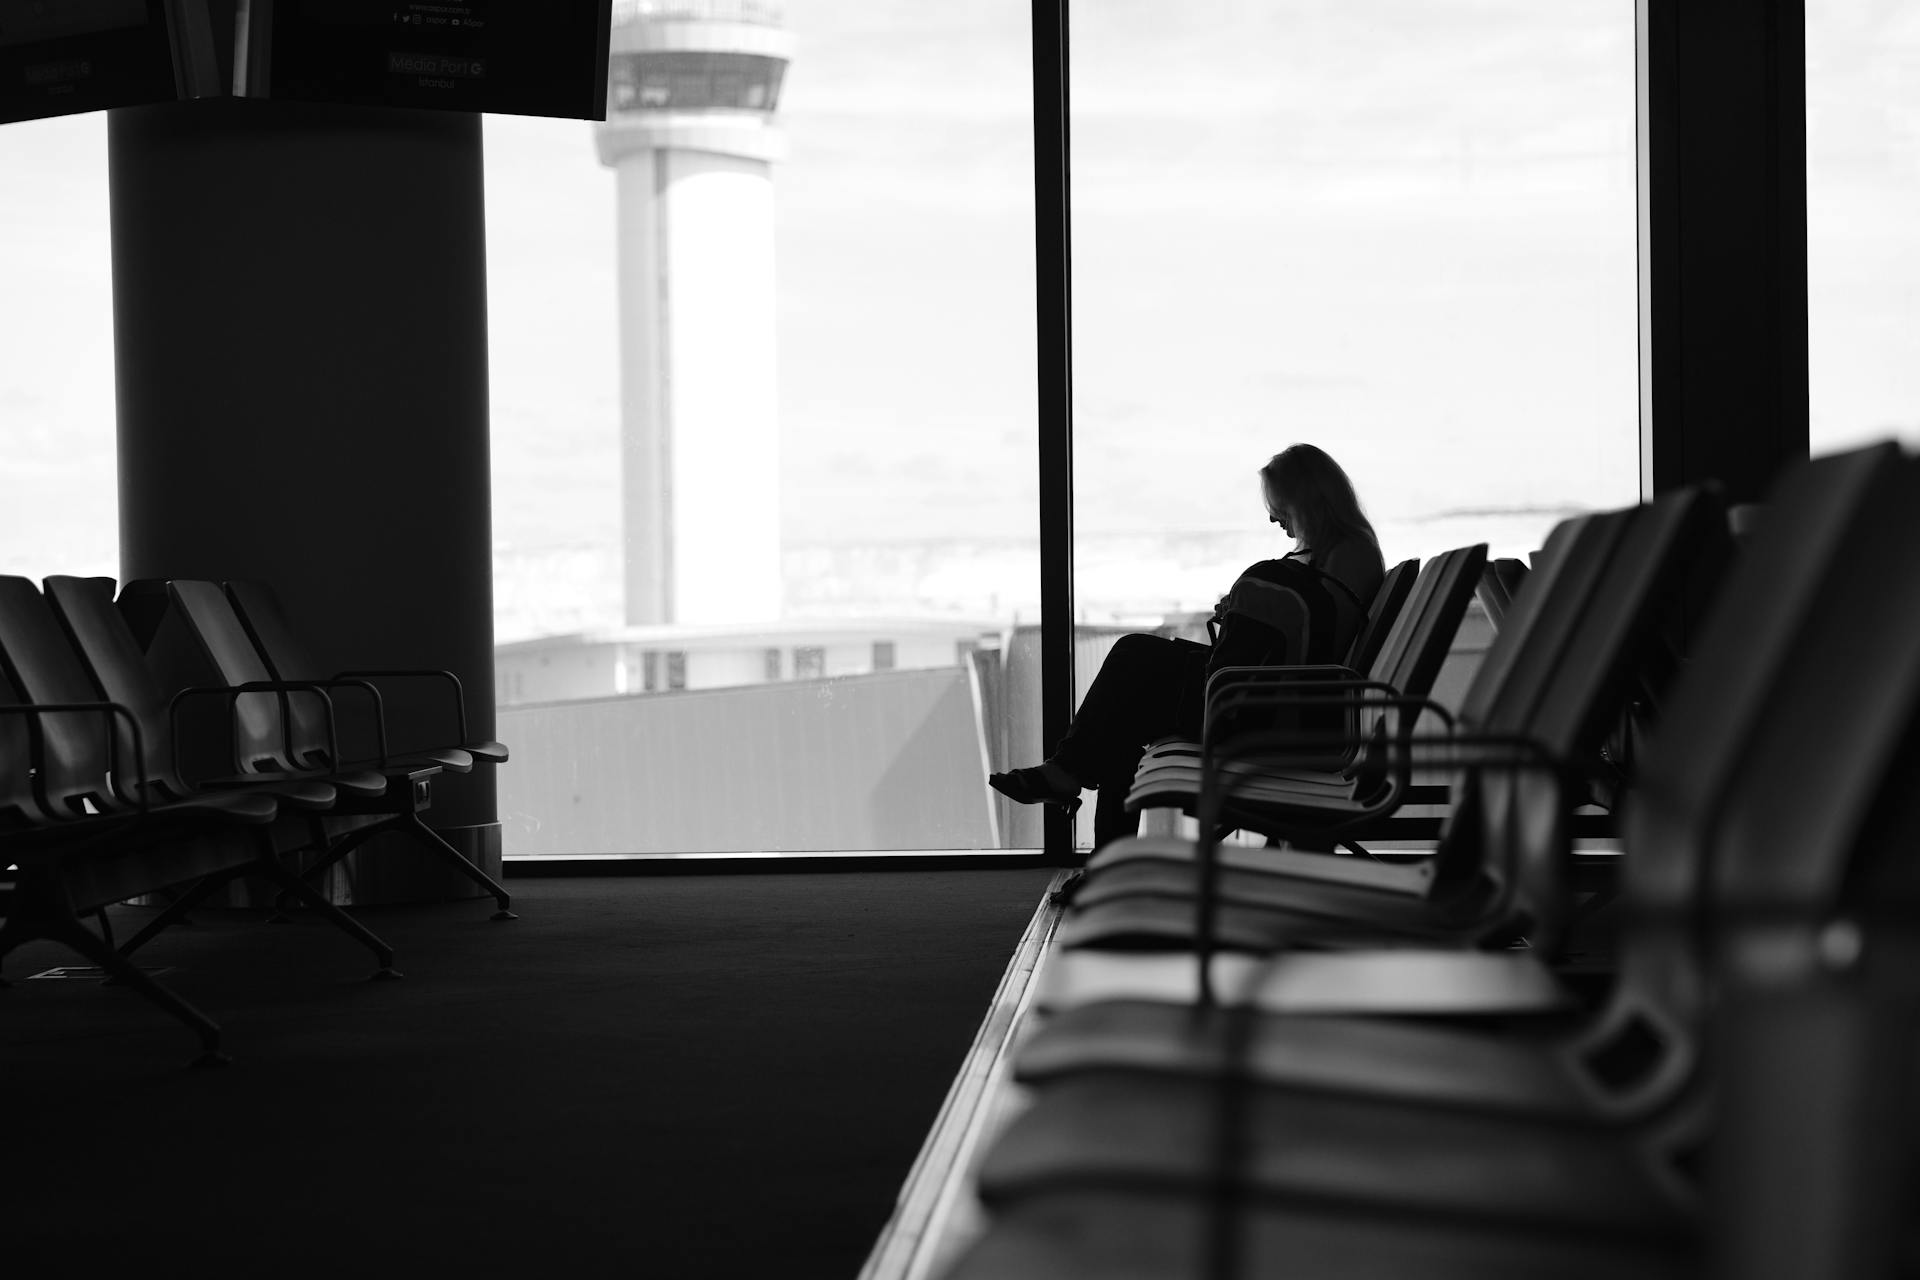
{"points": [[1310, 497]]}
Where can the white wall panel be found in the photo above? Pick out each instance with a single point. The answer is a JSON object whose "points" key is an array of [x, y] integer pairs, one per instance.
{"points": [[885, 761]]}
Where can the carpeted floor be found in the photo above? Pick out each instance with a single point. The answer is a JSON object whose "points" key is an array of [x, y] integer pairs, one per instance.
{"points": [[697, 1076]]}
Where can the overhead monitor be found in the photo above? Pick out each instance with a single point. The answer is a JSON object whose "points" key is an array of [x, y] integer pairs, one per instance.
{"points": [[58, 57], [512, 57]]}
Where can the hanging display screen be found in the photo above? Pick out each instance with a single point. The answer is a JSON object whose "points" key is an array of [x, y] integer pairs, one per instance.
{"points": [[58, 57], [510, 57]]}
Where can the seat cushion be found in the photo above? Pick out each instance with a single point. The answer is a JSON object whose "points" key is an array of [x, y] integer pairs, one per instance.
{"points": [[1115, 1129], [1139, 1235]]}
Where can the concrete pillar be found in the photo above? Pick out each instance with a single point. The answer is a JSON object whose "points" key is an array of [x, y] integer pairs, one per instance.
{"points": [[300, 332]]}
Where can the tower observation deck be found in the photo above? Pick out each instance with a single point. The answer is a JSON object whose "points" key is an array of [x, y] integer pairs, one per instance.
{"points": [[691, 135]]}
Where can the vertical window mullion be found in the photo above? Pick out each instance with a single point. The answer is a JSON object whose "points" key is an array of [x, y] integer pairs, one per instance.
{"points": [[1053, 291]]}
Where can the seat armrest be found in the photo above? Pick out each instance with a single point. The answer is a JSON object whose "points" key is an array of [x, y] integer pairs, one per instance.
{"points": [[1227, 685], [232, 693], [116, 776], [376, 705], [455, 687]]}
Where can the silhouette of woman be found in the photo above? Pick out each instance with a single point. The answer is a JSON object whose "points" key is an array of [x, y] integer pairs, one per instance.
{"points": [[1304, 607]]}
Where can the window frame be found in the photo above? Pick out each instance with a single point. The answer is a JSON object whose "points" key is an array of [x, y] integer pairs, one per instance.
{"points": [[1752, 56]]}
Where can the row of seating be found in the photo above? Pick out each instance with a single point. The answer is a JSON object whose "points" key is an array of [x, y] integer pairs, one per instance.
{"points": [[1585, 667], [107, 795], [1247, 1062], [1409, 636], [1398, 653]]}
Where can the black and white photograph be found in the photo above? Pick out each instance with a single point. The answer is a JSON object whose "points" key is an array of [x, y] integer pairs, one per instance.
{"points": [[993, 640]]}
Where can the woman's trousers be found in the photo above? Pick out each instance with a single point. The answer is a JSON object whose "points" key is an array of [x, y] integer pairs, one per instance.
{"points": [[1149, 687]]}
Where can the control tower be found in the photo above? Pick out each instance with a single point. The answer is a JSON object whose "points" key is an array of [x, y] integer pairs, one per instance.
{"points": [[691, 136]]}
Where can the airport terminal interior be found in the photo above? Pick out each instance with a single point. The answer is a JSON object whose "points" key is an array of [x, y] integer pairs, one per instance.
{"points": [[543, 564]]}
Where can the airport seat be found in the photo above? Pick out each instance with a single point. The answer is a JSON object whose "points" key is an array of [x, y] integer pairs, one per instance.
{"points": [[282, 738], [1386, 819], [286, 657], [1405, 665], [1512, 573], [1383, 616], [104, 644], [1499, 581], [1800, 840], [79, 771], [1129, 1233], [106, 650], [100, 831], [1746, 651], [270, 738], [1546, 689], [19, 810], [1395, 586]]}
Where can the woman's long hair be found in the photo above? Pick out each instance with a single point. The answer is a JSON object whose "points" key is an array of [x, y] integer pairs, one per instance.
{"points": [[1320, 494]]}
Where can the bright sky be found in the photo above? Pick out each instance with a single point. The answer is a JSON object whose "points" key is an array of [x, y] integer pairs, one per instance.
{"points": [[1400, 228]]}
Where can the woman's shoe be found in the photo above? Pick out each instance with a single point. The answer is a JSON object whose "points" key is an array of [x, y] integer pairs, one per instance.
{"points": [[1031, 786]]}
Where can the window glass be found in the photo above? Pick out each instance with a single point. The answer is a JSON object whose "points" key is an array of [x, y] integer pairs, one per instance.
{"points": [[1863, 204], [696, 81], [57, 469], [1401, 230], [763, 383]]}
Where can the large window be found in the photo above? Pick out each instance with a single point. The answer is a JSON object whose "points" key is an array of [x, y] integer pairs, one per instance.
{"points": [[1863, 206], [763, 407], [59, 513], [1401, 231]]}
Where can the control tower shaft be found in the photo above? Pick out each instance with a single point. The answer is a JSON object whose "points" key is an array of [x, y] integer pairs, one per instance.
{"points": [[691, 135]]}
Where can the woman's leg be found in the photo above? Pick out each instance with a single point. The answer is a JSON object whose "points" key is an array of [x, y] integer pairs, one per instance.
{"points": [[1141, 693], [1147, 688]]}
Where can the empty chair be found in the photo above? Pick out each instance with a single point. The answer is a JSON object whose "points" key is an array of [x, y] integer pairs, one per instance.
{"points": [[270, 737], [18, 809], [104, 643], [281, 739], [1495, 590], [82, 766], [105, 834], [100, 652], [286, 657]]}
